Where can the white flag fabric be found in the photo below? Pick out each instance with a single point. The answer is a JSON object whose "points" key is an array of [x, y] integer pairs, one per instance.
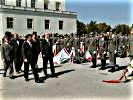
{"points": [[54, 49], [63, 55], [130, 69], [88, 55]]}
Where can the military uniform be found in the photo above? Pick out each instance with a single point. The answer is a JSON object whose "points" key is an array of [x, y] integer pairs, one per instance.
{"points": [[131, 45], [106, 40], [102, 57], [87, 43], [112, 54], [93, 51], [58, 46]]}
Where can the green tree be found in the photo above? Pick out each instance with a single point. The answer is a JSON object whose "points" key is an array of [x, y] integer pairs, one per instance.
{"points": [[103, 27], [122, 28], [81, 28], [92, 27]]}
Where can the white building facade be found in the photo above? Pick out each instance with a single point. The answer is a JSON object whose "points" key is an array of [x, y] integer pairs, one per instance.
{"points": [[26, 16]]}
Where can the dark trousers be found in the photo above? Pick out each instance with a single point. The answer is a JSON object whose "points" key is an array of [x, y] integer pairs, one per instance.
{"points": [[8, 65], [103, 63], [26, 70], [18, 63], [45, 62], [94, 61], [36, 59]]}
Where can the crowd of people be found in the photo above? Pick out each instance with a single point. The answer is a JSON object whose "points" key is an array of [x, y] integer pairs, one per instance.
{"points": [[15, 51]]}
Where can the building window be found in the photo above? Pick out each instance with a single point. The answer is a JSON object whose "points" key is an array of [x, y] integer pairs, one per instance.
{"points": [[33, 3], [18, 3], [9, 22], [29, 23], [57, 5], [46, 4], [2, 2], [46, 24], [60, 25]]}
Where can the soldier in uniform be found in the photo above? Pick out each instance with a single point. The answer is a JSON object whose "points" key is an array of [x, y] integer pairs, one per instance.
{"points": [[93, 51], [129, 73], [112, 54], [61, 42], [106, 39], [87, 42], [131, 45], [102, 52], [58, 46], [66, 40], [76, 45], [102, 57]]}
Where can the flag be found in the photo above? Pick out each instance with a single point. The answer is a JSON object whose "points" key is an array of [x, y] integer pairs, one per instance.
{"points": [[82, 47], [62, 56], [88, 55], [54, 50]]}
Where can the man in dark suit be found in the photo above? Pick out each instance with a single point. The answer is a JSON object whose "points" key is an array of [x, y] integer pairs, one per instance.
{"points": [[47, 54], [28, 57], [36, 43], [17, 54]]}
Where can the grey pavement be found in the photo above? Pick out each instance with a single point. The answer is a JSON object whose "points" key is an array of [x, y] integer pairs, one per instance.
{"points": [[75, 81]]}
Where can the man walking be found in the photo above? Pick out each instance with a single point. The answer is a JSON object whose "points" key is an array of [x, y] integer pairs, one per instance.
{"points": [[17, 55], [28, 57], [47, 54]]}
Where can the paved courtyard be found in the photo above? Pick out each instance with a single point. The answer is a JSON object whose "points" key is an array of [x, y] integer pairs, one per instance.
{"points": [[75, 81]]}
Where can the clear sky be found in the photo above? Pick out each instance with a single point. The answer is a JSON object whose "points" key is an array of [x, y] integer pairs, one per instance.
{"points": [[112, 12]]}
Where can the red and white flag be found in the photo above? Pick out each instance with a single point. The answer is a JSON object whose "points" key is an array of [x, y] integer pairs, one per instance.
{"points": [[88, 55], [82, 49]]}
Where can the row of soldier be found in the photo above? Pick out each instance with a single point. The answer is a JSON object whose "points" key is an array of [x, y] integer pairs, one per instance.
{"points": [[97, 45]]}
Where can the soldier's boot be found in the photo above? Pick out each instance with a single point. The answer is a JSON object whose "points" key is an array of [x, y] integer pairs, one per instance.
{"points": [[103, 64], [93, 63]]}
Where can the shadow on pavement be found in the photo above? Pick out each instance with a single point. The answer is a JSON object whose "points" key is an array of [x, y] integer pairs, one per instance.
{"points": [[116, 68], [56, 75]]}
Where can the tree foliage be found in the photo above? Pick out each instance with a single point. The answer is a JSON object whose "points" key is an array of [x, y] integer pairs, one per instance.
{"points": [[103, 27], [81, 28], [92, 27], [122, 28], [95, 27]]}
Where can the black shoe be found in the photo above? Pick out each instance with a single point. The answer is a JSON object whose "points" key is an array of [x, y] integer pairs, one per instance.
{"points": [[112, 70], [93, 66], [39, 81], [54, 76], [26, 79], [4, 75], [47, 75], [11, 77], [102, 68]]}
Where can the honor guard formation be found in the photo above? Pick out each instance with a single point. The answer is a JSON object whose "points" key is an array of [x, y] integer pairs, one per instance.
{"points": [[17, 51]]}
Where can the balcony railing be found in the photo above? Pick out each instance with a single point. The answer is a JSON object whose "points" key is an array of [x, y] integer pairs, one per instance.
{"points": [[36, 9]]}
